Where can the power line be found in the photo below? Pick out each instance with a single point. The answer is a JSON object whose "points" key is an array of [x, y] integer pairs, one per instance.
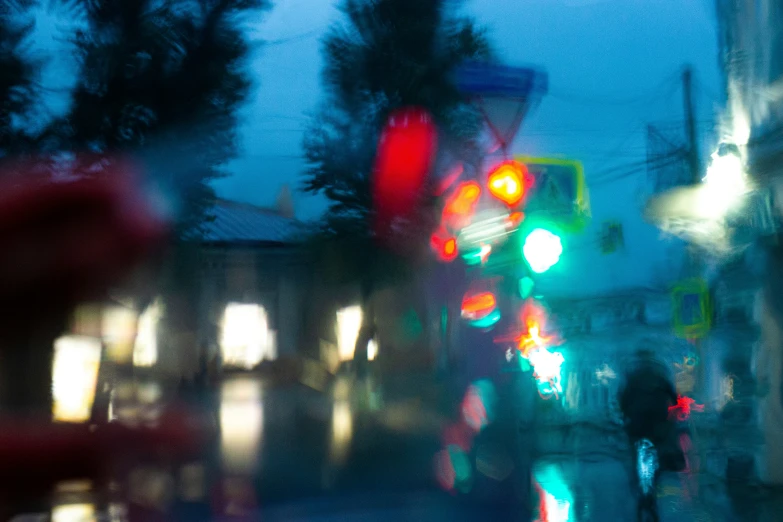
{"points": [[711, 94], [276, 156], [665, 88], [606, 131], [641, 168], [622, 166], [664, 160], [291, 39], [275, 130], [281, 116], [622, 146]]}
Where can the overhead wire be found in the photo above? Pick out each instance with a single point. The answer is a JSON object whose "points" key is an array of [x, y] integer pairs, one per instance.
{"points": [[665, 88], [637, 170], [291, 39]]}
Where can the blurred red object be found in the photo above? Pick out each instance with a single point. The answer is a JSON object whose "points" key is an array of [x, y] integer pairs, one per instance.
{"points": [[458, 434], [69, 240], [406, 153], [37, 456], [461, 205], [682, 410], [444, 245]]}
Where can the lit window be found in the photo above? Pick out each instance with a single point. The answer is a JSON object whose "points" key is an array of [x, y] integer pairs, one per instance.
{"points": [[74, 377], [118, 328], [372, 350], [245, 338], [349, 321], [145, 350]]}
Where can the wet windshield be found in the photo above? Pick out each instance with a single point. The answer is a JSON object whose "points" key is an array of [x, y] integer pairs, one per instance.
{"points": [[390, 259]]}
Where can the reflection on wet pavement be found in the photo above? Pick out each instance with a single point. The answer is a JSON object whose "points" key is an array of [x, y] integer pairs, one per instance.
{"points": [[241, 424], [73, 513], [555, 497], [285, 444], [136, 403], [342, 431]]}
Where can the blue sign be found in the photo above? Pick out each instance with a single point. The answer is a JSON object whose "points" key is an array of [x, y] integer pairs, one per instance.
{"points": [[497, 80]]}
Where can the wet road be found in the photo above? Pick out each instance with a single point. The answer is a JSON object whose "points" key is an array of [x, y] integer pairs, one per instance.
{"points": [[294, 453]]}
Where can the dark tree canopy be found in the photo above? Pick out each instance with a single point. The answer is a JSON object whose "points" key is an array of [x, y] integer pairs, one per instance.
{"points": [[384, 55], [18, 70], [162, 80]]}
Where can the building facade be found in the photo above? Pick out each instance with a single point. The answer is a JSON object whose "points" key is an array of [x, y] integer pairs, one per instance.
{"points": [[751, 54]]}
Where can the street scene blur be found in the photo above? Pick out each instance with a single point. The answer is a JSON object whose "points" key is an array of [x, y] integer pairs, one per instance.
{"points": [[478, 260]]}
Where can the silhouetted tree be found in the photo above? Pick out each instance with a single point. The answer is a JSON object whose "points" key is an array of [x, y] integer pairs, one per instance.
{"points": [[162, 80], [18, 69], [385, 55], [159, 80]]}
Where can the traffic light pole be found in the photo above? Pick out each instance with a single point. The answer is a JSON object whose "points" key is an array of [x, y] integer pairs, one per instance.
{"points": [[694, 161], [694, 268]]}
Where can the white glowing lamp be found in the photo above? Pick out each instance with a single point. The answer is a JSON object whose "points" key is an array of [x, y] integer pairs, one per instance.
{"points": [[725, 181]]}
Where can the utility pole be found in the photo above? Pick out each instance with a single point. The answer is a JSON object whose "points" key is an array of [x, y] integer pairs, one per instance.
{"points": [[694, 161], [693, 267]]}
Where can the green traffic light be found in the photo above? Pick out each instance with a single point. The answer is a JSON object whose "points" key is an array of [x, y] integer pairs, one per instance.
{"points": [[542, 250], [526, 285]]}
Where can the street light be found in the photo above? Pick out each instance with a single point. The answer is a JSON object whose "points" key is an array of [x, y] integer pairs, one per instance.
{"points": [[702, 213], [725, 181]]}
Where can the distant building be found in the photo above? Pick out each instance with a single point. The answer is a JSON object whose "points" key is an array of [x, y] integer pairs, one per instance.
{"points": [[253, 282], [751, 52], [238, 292]]}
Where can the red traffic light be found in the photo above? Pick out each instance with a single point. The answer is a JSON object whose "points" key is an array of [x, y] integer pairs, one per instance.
{"points": [[477, 306], [507, 182], [444, 245], [406, 152], [461, 205]]}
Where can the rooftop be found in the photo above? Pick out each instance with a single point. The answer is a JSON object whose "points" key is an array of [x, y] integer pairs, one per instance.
{"points": [[236, 222]]}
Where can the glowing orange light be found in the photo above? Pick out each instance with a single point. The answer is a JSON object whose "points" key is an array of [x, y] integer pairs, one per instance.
{"points": [[477, 306], [515, 218], [533, 318], [507, 182], [461, 204], [450, 247], [444, 245]]}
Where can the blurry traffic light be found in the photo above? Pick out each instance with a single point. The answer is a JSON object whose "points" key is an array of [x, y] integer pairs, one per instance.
{"points": [[507, 182], [611, 238], [477, 256], [404, 159], [444, 245], [480, 309], [526, 286], [461, 205], [542, 250], [476, 306]]}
